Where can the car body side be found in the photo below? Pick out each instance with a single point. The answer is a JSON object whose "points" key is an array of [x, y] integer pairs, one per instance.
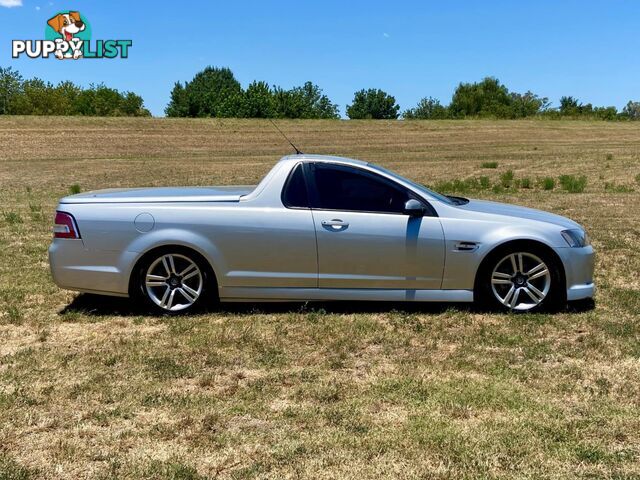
{"points": [[283, 265]]}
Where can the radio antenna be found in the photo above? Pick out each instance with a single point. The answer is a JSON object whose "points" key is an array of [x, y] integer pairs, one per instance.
{"points": [[298, 152]]}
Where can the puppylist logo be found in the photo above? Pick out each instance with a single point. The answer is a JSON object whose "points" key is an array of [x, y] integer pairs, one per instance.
{"points": [[68, 37]]}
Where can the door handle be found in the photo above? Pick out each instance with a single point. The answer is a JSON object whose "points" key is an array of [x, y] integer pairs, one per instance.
{"points": [[335, 223]]}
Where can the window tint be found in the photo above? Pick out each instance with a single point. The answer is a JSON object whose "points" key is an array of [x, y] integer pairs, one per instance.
{"points": [[346, 188], [295, 190]]}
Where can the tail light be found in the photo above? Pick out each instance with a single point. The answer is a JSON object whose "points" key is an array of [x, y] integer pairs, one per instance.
{"points": [[65, 226]]}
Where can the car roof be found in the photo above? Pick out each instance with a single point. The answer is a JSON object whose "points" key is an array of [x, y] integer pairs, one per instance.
{"points": [[325, 158]]}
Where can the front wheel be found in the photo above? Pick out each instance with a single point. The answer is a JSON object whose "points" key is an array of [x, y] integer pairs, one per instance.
{"points": [[520, 280], [173, 281]]}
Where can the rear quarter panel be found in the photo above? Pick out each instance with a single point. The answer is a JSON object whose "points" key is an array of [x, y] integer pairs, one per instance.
{"points": [[246, 244]]}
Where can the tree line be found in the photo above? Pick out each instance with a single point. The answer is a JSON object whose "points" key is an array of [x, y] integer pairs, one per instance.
{"points": [[491, 99], [19, 96], [215, 92]]}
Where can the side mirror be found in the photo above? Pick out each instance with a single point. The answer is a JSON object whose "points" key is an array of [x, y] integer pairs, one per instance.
{"points": [[414, 208]]}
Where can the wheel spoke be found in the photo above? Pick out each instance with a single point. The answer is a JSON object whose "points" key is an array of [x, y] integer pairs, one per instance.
{"points": [[191, 291], [541, 273], [187, 270], [513, 263], [533, 297], [169, 303], [172, 264], [155, 277], [537, 292], [165, 296], [508, 296], [496, 280], [501, 275], [514, 299], [156, 280], [167, 268], [520, 263], [188, 294], [192, 274], [535, 269]]}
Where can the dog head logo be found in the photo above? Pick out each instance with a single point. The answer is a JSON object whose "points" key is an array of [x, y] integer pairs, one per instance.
{"points": [[68, 30], [67, 24]]}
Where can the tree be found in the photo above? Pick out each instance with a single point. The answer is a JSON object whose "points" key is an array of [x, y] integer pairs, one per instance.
{"points": [[303, 102], [570, 106], [528, 104], [286, 103], [214, 92], [488, 98], [37, 97], [67, 94], [314, 103], [427, 108], [10, 88], [179, 103], [605, 113], [132, 105], [259, 101], [100, 100], [373, 103], [631, 111]]}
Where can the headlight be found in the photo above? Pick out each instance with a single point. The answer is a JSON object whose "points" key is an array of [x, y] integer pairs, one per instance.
{"points": [[576, 238]]}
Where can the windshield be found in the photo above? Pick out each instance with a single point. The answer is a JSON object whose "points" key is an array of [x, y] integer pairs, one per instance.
{"points": [[417, 186]]}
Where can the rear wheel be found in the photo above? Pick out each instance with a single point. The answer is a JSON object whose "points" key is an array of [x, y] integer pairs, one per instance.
{"points": [[520, 280], [174, 281]]}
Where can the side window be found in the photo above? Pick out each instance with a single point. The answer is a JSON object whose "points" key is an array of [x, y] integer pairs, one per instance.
{"points": [[345, 188], [294, 194]]}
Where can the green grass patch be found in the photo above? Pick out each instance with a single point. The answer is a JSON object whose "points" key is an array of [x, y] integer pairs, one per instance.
{"points": [[547, 183], [12, 218], [611, 187], [165, 368], [11, 470], [489, 164], [573, 184], [506, 179]]}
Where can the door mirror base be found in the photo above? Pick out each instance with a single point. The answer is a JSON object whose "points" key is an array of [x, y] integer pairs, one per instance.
{"points": [[414, 208]]}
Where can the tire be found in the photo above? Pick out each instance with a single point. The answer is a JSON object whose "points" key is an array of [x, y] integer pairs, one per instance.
{"points": [[520, 278], [175, 281]]}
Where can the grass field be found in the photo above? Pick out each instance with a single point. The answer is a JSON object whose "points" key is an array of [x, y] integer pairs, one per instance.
{"points": [[94, 388]]}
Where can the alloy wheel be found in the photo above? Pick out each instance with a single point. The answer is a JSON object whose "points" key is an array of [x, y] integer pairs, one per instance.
{"points": [[521, 281], [173, 282]]}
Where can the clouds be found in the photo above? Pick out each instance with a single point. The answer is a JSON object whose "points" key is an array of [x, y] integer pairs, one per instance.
{"points": [[10, 3]]}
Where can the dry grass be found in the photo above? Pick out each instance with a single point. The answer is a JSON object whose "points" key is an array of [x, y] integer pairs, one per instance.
{"points": [[92, 388]]}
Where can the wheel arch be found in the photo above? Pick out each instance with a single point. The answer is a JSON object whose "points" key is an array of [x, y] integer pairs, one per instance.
{"points": [[520, 243], [157, 249]]}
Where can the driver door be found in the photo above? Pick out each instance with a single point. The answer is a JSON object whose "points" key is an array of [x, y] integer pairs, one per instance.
{"points": [[365, 240]]}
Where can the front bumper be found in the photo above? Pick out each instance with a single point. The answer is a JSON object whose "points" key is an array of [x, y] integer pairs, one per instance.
{"points": [[578, 266]]}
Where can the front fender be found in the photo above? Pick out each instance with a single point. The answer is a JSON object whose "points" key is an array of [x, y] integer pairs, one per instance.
{"points": [[461, 266]]}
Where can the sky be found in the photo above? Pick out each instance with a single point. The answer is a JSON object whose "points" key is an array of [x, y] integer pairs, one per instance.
{"points": [[410, 49]]}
